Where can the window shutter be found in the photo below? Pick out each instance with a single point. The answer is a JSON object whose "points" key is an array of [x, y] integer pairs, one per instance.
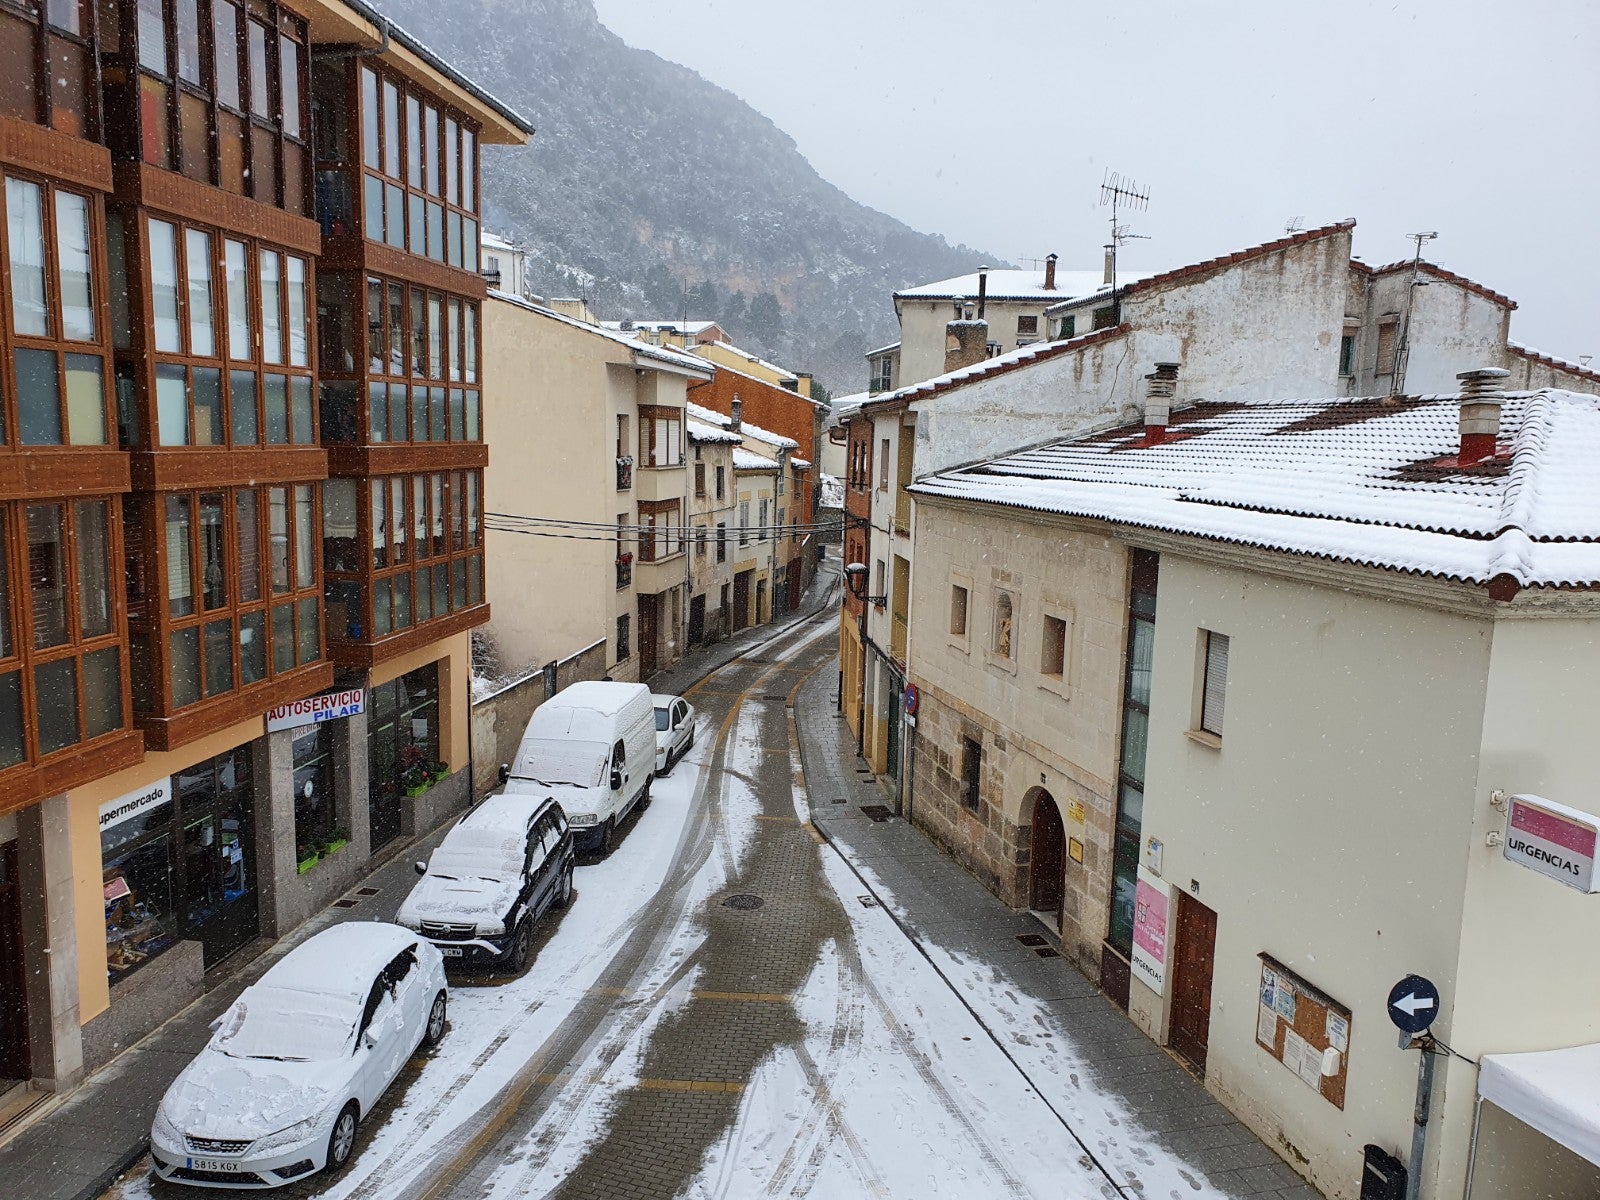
{"points": [[1216, 683]]}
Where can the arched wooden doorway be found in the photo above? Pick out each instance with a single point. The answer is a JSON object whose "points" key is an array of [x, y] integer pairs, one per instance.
{"points": [[1046, 858]]}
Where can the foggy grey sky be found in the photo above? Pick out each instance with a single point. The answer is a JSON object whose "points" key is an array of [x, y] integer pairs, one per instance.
{"points": [[992, 124]]}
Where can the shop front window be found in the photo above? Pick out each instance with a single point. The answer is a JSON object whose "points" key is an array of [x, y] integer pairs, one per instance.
{"points": [[316, 829], [403, 746]]}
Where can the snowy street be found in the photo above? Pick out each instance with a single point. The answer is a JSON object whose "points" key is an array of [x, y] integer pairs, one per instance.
{"points": [[728, 1009]]}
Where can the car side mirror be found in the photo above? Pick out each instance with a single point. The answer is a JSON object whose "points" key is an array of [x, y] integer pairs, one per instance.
{"points": [[505, 774], [616, 780], [368, 1040], [422, 867]]}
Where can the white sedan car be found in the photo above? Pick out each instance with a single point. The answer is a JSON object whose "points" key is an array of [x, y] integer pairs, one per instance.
{"points": [[674, 730], [300, 1058]]}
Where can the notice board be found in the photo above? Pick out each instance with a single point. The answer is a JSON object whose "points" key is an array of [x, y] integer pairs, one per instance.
{"points": [[1296, 1022]]}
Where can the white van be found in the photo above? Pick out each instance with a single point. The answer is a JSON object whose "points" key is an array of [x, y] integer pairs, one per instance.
{"points": [[593, 747]]}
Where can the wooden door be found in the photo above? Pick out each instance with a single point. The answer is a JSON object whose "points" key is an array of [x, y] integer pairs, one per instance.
{"points": [[741, 600], [647, 636], [1046, 858], [1191, 980], [13, 1000], [697, 620]]}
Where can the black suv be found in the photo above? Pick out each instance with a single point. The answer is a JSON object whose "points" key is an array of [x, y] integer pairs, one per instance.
{"points": [[500, 868]]}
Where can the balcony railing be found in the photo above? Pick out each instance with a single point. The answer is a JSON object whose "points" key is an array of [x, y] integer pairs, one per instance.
{"points": [[624, 472], [624, 571], [897, 638]]}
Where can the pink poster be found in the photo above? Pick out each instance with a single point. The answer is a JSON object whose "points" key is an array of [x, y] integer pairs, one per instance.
{"points": [[1150, 903]]}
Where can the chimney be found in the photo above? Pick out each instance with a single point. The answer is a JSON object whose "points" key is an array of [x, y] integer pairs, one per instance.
{"points": [[966, 343], [736, 418], [1160, 387], [1111, 265], [983, 290], [1050, 273], [1482, 394]]}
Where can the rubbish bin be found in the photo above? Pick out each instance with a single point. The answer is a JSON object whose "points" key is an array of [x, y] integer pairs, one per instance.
{"points": [[1383, 1176]]}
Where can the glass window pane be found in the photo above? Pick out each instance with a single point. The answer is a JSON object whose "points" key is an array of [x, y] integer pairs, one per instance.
{"points": [[152, 37], [458, 415], [458, 513], [271, 307], [381, 596], [172, 405], [38, 398], [469, 238], [430, 135], [378, 412], [369, 117], [219, 658], [188, 14], [1135, 738], [469, 355], [472, 508], [419, 513], [455, 340], [102, 692], [469, 172], [372, 208], [213, 551], [452, 136], [282, 638], [375, 326], [300, 404], [436, 408], [473, 411], [278, 538], [436, 509], [413, 142], [419, 414], [394, 215], [474, 580], [435, 338], [424, 582], [304, 544], [345, 617], [47, 576], [310, 643], [299, 319], [67, 15], [247, 529], [237, 269], [453, 251], [242, 408], [10, 719], [180, 570], [208, 429], [380, 525], [458, 584], [441, 590], [401, 585], [225, 37], [397, 517], [7, 646], [289, 75], [252, 648], [276, 393], [391, 130], [30, 313], [86, 400], [117, 261], [197, 247], [185, 666], [77, 267], [56, 698], [260, 97], [164, 283], [435, 232], [396, 318], [91, 520], [397, 412], [339, 550]]}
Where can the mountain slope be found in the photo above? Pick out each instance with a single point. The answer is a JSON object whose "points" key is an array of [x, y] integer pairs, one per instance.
{"points": [[656, 193]]}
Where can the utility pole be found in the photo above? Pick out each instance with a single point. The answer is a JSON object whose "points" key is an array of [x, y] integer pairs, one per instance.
{"points": [[1402, 353]]}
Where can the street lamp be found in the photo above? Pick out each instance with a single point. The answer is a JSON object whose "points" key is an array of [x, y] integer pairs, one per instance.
{"points": [[855, 577]]}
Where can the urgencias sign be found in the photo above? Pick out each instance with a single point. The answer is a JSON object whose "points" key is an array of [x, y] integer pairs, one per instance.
{"points": [[1553, 840]]}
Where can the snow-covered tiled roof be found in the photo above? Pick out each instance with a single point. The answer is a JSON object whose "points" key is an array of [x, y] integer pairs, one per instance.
{"points": [[689, 328], [800, 464], [666, 354], [749, 460], [1549, 360], [750, 358], [882, 350], [699, 431], [710, 416], [1362, 480], [1016, 285]]}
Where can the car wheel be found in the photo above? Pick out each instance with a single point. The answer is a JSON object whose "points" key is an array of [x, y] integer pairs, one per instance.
{"points": [[608, 835], [342, 1141], [521, 948], [564, 892], [433, 1032]]}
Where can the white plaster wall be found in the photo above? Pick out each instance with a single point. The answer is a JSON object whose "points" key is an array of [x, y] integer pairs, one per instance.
{"points": [[1452, 329], [1329, 830], [1528, 374], [923, 332]]}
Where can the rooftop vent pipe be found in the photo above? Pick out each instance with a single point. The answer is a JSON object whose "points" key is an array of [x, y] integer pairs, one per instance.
{"points": [[1160, 387], [1482, 394], [983, 290], [736, 420], [1050, 273]]}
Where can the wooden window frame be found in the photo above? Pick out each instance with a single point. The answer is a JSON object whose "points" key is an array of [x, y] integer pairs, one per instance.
{"points": [[22, 658], [649, 414], [53, 340], [673, 539], [86, 41], [462, 546]]}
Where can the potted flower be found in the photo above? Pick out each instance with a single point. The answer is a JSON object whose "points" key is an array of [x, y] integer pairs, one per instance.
{"points": [[416, 776], [440, 770], [305, 859], [337, 842]]}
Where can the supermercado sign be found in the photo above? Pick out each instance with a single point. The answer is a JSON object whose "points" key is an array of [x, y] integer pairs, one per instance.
{"points": [[1553, 840], [329, 706], [131, 805]]}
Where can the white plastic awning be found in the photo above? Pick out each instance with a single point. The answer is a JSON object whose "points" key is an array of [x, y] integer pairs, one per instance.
{"points": [[1556, 1092]]}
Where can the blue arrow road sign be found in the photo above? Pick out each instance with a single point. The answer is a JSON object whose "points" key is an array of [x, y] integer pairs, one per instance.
{"points": [[1413, 1004]]}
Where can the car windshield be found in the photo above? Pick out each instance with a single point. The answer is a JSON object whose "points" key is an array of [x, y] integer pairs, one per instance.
{"points": [[289, 1025], [553, 761], [663, 720], [479, 853]]}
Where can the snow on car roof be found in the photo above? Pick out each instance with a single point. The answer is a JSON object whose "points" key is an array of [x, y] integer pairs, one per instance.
{"points": [[341, 961], [1369, 480], [606, 698]]}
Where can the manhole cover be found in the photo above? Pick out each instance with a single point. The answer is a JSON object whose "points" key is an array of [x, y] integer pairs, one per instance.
{"points": [[877, 812], [1047, 952], [744, 902], [368, 891], [345, 903], [1031, 939], [867, 902]]}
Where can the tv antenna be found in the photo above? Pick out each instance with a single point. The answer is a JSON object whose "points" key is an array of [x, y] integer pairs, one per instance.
{"points": [[1397, 381], [1121, 193], [1295, 225]]}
